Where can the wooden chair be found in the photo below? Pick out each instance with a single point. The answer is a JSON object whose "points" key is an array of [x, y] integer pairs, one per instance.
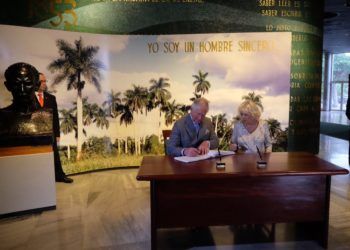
{"points": [[166, 136]]}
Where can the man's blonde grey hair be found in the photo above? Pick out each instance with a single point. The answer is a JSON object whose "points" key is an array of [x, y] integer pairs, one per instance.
{"points": [[199, 102]]}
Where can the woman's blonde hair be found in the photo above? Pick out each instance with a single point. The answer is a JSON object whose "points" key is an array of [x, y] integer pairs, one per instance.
{"points": [[250, 108]]}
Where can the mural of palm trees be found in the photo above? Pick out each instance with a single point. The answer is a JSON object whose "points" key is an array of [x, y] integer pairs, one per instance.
{"points": [[100, 118], [136, 99], [77, 62], [112, 103], [92, 113], [195, 96], [223, 128], [200, 83], [126, 117], [68, 124], [68, 121], [172, 112], [159, 90], [274, 127], [220, 123], [160, 96], [89, 111], [251, 96], [184, 109]]}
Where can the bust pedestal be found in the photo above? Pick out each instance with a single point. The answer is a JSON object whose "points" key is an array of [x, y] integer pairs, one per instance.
{"points": [[27, 179]]}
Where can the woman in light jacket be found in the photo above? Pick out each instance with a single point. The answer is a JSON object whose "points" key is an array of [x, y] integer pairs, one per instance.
{"points": [[250, 131]]}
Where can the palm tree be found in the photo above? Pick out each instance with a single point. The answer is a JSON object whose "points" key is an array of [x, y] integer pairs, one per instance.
{"points": [[219, 124], [254, 98], [202, 85], [100, 118], [274, 127], [112, 102], [77, 62], [226, 136], [160, 95], [136, 99], [184, 109], [195, 96], [151, 104], [159, 91], [89, 111], [172, 112], [68, 124], [68, 121], [126, 117]]}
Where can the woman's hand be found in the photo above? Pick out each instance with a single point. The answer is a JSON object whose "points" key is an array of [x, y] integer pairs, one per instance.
{"points": [[233, 147]]}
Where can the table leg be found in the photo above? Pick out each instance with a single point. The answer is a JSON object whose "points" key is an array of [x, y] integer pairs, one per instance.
{"points": [[153, 216], [324, 238]]}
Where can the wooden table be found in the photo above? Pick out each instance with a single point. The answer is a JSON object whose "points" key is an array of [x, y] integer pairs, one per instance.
{"points": [[294, 187]]}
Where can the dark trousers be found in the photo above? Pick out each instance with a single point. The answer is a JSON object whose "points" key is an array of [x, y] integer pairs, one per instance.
{"points": [[58, 166]]}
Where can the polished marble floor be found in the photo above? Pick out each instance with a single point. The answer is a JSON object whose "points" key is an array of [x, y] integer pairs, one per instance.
{"points": [[110, 210]]}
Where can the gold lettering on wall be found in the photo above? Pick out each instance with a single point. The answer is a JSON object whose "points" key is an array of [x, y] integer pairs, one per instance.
{"points": [[266, 3], [254, 46], [291, 13], [299, 38], [215, 46], [269, 12]]}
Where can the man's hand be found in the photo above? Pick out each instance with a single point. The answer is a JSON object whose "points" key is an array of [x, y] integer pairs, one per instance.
{"points": [[191, 152], [204, 148]]}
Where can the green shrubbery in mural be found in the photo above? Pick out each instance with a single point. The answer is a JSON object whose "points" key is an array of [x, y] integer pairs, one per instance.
{"points": [[100, 153]]}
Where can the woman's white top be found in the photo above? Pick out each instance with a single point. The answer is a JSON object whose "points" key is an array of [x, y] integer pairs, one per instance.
{"points": [[260, 137]]}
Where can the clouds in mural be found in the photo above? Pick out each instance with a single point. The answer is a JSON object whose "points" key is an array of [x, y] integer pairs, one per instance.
{"points": [[259, 62]]}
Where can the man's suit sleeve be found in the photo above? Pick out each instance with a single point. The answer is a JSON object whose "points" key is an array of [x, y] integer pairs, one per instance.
{"points": [[173, 146]]}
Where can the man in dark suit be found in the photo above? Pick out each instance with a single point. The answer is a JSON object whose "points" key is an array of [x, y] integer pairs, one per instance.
{"points": [[45, 100], [193, 134]]}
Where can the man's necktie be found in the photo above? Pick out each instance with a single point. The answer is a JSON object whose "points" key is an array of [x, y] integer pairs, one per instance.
{"points": [[196, 125], [41, 99]]}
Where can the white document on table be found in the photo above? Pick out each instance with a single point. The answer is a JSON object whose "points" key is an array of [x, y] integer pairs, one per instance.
{"points": [[211, 154]]}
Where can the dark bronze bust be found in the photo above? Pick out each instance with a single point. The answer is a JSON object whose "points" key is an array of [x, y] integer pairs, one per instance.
{"points": [[22, 123]]}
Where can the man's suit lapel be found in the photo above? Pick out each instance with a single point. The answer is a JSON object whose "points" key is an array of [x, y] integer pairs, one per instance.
{"points": [[203, 129], [46, 101], [36, 104]]}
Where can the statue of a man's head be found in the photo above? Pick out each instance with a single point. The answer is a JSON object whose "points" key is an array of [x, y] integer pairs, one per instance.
{"points": [[22, 79]]}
